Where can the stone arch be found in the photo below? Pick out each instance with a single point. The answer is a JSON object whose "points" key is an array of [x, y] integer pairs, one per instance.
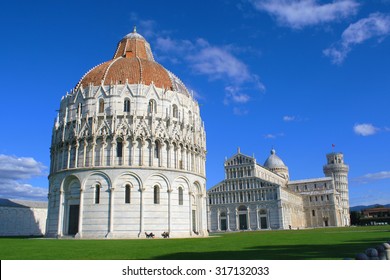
{"points": [[180, 182], [129, 177], [159, 179], [196, 188], [101, 180], [97, 174], [70, 208], [135, 182]]}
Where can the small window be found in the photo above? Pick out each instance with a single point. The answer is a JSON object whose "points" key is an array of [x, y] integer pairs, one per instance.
{"points": [[313, 212], [156, 149], [79, 109], [180, 196], [126, 106], [156, 197], [101, 106], [97, 194], [119, 149], [175, 111], [127, 194], [190, 117], [152, 107]]}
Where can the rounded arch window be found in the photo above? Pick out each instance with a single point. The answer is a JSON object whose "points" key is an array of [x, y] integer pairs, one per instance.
{"points": [[152, 106], [156, 149], [101, 105], [119, 147], [97, 193], [127, 193], [79, 109], [175, 111], [156, 194], [126, 105], [180, 196], [190, 117]]}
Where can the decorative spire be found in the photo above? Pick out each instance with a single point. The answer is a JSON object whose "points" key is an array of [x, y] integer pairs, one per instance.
{"points": [[135, 29]]}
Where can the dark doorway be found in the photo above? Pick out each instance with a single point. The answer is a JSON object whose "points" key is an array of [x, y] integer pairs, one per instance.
{"points": [[263, 223], [243, 222], [73, 226], [223, 224]]}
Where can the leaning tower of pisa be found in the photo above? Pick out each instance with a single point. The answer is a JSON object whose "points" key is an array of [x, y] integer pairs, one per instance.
{"points": [[338, 170]]}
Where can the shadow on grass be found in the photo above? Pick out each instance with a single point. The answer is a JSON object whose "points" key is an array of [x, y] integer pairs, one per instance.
{"points": [[281, 252]]}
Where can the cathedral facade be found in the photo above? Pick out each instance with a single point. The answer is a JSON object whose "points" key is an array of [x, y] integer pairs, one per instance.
{"points": [[262, 197], [128, 152]]}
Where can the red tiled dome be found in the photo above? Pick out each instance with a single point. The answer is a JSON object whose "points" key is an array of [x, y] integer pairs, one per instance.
{"points": [[133, 63]]}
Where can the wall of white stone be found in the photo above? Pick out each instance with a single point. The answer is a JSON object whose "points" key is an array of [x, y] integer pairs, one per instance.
{"points": [[22, 221], [113, 217]]}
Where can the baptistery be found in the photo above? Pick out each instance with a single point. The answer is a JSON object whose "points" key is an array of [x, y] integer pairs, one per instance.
{"points": [[128, 153]]}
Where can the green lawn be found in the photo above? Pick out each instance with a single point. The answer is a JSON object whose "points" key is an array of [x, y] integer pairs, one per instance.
{"points": [[328, 243]]}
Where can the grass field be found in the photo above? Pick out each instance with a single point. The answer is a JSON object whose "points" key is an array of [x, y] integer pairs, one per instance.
{"points": [[310, 244]]}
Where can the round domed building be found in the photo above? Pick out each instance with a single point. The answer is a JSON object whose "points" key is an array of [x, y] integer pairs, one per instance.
{"points": [[128, 152]]}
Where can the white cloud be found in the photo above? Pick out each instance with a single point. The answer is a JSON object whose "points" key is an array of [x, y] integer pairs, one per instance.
{"points": [[367, 178], [217, 63], [273, 136], [289, 118], [240, 111], [16, 168], [365, 129], [301, 13], [13, 170], [15, 190], [377, 25], [235, 95]]}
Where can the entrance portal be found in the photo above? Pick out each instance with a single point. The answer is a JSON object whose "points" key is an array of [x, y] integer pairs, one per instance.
{"points": [[223, 224], [243, 222], [73, 225]]}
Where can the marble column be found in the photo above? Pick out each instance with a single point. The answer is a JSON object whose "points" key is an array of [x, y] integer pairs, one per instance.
{"points": [[60, 214], [81, 207], [111, 228]]}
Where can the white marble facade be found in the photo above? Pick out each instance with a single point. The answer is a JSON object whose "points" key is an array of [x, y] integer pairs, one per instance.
{"points": [[261, 197], [128, 155]]}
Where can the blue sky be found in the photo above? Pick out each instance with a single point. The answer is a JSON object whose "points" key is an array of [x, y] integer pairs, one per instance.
{"points": [[298, 76]]}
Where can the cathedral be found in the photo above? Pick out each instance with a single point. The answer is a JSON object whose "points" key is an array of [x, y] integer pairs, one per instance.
{"points": [[128, 152], [261, 197]]}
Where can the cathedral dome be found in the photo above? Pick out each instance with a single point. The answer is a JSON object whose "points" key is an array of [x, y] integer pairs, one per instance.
{"points": [[273, 161], [133, 63], [276, 165]]}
